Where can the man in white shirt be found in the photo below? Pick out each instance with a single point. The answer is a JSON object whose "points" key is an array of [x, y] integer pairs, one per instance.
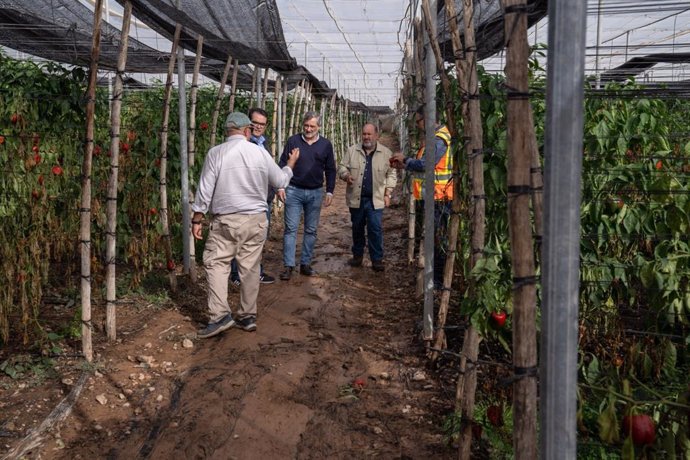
{"points": [[232, 188]]}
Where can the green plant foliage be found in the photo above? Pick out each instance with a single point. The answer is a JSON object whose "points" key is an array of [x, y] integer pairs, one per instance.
{"points": [[42, 124], [634, 258]]}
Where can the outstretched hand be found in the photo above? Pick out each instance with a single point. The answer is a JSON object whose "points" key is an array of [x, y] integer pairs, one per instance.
{"points": [[397, 160], [293, 156]]}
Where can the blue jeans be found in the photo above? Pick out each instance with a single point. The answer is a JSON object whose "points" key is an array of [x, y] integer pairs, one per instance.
{"points": [[298, 200], [367, 217]]}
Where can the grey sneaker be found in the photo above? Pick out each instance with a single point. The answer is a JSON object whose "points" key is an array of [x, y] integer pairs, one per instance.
{"points": [[216, 328], [248, 323]]}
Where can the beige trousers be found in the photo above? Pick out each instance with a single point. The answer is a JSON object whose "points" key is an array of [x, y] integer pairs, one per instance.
{"points": [[240, 237]]}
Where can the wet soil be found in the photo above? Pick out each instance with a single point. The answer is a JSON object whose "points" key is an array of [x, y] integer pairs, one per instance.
{"points": [[336, 369]]}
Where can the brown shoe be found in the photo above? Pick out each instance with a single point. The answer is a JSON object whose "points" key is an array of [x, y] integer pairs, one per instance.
{"points": [[356, 261], [286, 274], [306, 270], [378, 265]]}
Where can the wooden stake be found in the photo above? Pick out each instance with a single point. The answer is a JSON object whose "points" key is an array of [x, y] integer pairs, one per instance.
{"points": [[454, 224], [164, 215], [191, 140], [85, 210], [537, 183], [467, 74], [344, 131], [264, 94], [332, 117], [283, 112], [412, 215], [255, 77], [276, 115], [233, 94], [295, 103], [219, 98], [111, 205], [521, 244], [348, 134], [191, 145], [302, 106]]}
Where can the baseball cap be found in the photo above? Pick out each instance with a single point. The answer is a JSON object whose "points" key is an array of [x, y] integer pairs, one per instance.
{"points": [[237, 120]]}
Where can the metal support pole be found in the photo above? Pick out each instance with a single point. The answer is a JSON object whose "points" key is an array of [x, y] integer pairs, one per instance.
{"points": [[429, 165], [306, 59], [561, 250], [596, 51], [278, 113], [259, 88], [184, 161]]}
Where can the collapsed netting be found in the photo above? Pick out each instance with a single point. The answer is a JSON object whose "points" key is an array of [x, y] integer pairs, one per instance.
{"points": [[61, 31], [488, 22], [247, 31]]}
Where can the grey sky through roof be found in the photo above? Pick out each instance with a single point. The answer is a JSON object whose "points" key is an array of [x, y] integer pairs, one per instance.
{"points": [[355, 46]]}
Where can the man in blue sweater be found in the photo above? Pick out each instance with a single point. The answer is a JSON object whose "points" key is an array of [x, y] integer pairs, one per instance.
{"points": [[305, 192]]}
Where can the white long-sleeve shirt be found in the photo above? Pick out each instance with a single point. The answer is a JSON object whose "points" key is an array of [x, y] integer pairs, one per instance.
{"points": [[235, 178]]}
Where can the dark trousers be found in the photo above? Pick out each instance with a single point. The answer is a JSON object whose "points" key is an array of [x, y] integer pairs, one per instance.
{"points": [[367, 218], [442, 210]]}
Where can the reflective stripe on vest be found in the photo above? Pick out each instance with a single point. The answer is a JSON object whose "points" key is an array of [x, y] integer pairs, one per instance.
{"points": [[443, 172]]}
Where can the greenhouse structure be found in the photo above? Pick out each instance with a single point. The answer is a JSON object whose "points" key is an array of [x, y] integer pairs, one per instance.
{"points": [[533, 303]]}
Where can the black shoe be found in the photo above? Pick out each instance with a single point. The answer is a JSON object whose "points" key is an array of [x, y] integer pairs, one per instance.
{"points": [[306, 270], [248, 323], [266, 279], [287, 274], [378, 265], [236, 282], [356, 261]]}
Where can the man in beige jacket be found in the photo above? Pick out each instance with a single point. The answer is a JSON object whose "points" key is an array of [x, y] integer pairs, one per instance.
{"points": [[370, 179]]}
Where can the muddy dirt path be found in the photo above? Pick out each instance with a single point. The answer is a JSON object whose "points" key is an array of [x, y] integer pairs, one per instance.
{"points": [[284, 391]]}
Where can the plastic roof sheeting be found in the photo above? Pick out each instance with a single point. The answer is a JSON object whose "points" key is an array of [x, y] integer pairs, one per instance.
{"points": [[247, 30], [638, 65], [629, 38], [355, 46], [60, 30]]}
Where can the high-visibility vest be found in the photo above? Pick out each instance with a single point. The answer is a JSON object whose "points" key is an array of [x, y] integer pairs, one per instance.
{"points": [[443, 172]]}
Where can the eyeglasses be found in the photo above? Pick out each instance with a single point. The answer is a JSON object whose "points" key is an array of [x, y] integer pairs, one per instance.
{"points": [[258, 125]]}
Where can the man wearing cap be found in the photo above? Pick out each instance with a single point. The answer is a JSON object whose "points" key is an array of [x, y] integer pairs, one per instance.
{"points": [[232, 189], [259, 119]]}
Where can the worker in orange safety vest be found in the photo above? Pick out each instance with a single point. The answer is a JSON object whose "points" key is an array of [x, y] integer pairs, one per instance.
{"points": [[443, 187]]}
